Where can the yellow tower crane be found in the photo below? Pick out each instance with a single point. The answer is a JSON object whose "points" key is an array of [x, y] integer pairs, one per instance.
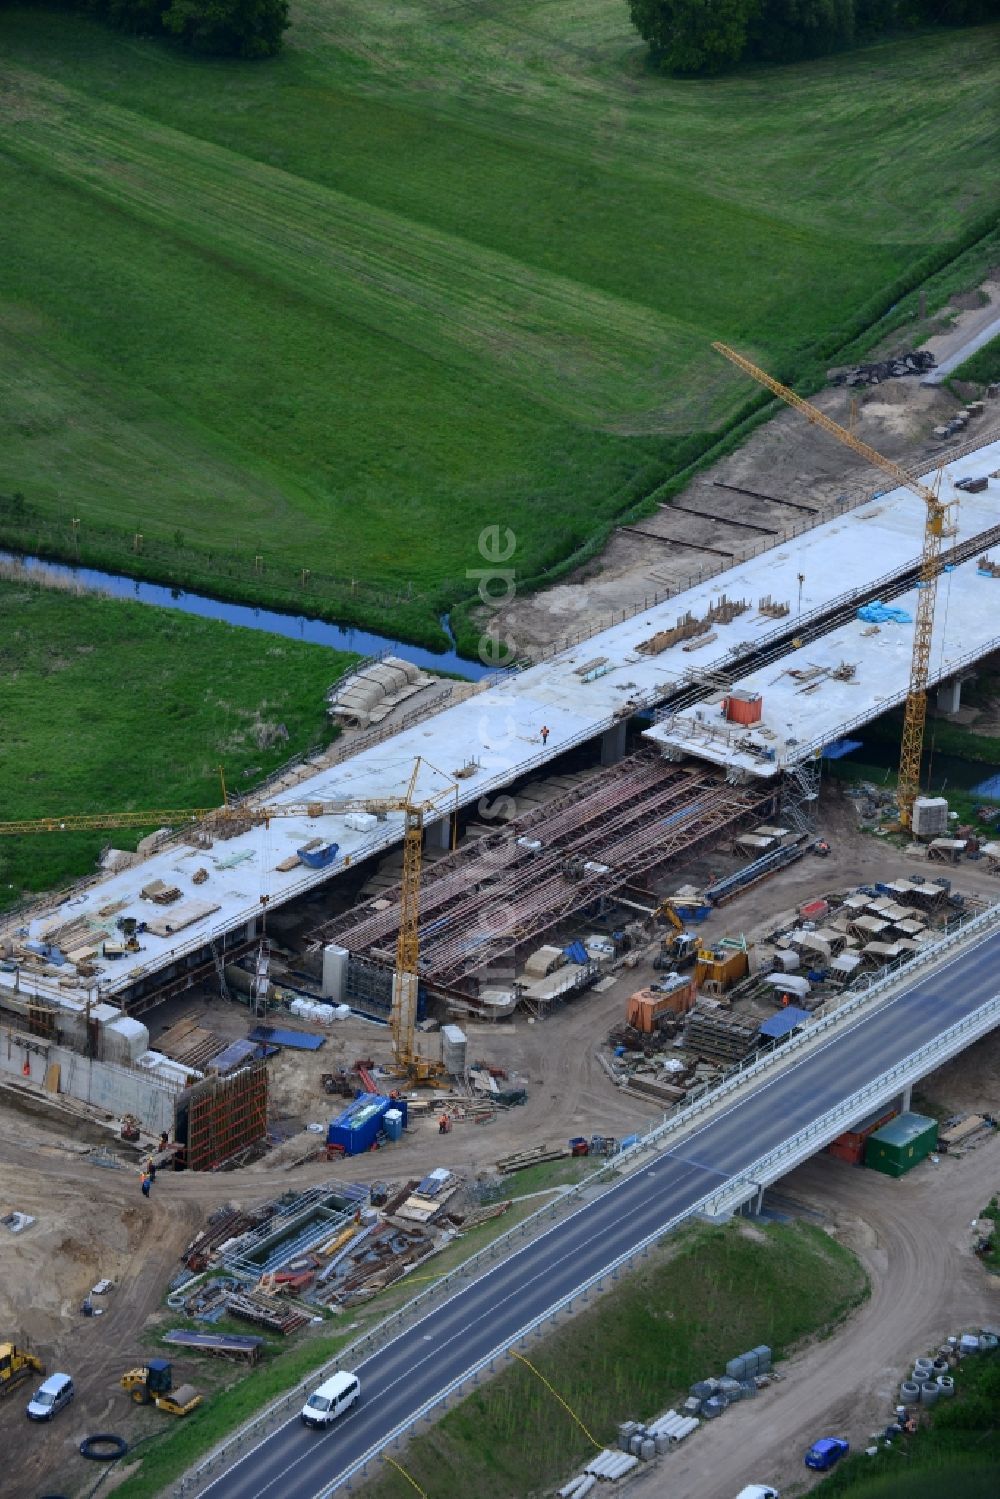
{"points": [[939, 524], [416, 811]]}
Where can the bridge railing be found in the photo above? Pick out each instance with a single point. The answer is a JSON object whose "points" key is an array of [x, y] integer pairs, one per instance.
{"points": [[958, 934], [917, 1064], [770, 1166], [544, 1219]]}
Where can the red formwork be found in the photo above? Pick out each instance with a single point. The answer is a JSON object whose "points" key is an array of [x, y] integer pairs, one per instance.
{"points": [[513, 885], [221, 1116]]}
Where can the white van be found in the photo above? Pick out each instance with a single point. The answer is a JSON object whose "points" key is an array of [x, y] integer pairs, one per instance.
{"points": [[757, 1491], [333, 1397], [49, 1399]]}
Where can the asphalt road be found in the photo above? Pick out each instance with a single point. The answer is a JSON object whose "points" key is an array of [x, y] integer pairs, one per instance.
{"points": [[969, 347], [295, 1463]]}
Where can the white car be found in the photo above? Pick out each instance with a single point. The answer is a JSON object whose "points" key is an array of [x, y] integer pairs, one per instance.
{"points": [[50, 1398]]}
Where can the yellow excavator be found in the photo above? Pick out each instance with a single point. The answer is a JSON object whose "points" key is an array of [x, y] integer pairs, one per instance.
{"points": [[16, 1364], [679, 949], [153, 1385]]}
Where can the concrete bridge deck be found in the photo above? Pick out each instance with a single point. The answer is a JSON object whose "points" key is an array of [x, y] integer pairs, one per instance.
{"points": [[499, 728]]}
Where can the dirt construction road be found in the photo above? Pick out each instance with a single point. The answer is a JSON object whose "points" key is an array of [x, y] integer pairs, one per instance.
{"points": [[913, 1237], [92, 1222]]}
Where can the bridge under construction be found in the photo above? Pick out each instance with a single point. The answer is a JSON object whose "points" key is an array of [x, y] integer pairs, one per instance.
{"points": [[777, 630]]}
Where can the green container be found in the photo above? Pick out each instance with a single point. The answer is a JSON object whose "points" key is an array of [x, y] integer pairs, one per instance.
{"points": [[901, 1144]]}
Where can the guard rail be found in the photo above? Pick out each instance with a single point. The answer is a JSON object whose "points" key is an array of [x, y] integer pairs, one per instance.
{"points": [[390, 1327]]}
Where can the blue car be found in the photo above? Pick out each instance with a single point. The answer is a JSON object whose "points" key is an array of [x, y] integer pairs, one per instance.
{"points": [[827, 1451]]}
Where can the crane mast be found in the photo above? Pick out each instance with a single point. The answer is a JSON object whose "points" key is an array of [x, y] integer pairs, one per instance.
{"points": [[406, 979], [939, 524]]}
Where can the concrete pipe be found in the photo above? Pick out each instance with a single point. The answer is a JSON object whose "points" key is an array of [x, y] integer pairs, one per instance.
{"points": [[923, 1363], [909, 1392], [238, 979], [929, 1393], [945, 1384]]}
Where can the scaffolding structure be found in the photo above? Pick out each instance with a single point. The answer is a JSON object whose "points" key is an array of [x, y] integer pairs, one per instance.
{"points": [[489, 900], [800, 794], [221, 1116], [369, 986]]}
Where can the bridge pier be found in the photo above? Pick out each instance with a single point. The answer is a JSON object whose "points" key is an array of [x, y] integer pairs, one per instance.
{"points": [[613, 744], [949, 696], [438, 834]]}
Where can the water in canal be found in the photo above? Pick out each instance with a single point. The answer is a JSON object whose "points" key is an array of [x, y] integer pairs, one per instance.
{"points": [[248, 617]]}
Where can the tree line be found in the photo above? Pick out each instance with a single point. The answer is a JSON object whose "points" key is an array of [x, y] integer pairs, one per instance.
{"points": [[706, 36], [214, 28]]}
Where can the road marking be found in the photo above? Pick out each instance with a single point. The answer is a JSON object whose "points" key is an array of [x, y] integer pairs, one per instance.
{"points": [[407, 1376], [567, 1226]]}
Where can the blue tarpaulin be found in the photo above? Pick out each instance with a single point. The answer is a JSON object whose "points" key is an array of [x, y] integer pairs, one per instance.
{"points": [[990, 789], [576, 953], [877, 613], [840, 747], [232, 1056], [297, 1040], [782, 1024]]}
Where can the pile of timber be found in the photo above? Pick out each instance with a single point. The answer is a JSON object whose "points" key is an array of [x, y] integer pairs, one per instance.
{"points": [[534, 1156], [667, 1094], [266, 1311], [712, 1033]]}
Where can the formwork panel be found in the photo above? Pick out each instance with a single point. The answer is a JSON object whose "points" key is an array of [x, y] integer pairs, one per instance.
{"points": [[222, 1116]]}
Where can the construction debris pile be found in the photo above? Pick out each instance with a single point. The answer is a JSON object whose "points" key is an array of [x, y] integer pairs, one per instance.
{"points": [[916, 363], [278, 1265], [681, 1032]]}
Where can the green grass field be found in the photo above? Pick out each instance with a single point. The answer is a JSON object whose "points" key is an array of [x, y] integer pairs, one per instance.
{"points": [[713, 1294], [983, 366], [110, 706], [955, 1453], [434, 268]]}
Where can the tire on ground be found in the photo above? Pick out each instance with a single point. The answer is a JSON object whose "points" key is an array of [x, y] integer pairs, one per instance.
{"points": [[103, 1447]]}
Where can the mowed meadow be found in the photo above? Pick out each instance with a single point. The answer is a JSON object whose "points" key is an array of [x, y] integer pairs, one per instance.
{"points": [[437, 267]]}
